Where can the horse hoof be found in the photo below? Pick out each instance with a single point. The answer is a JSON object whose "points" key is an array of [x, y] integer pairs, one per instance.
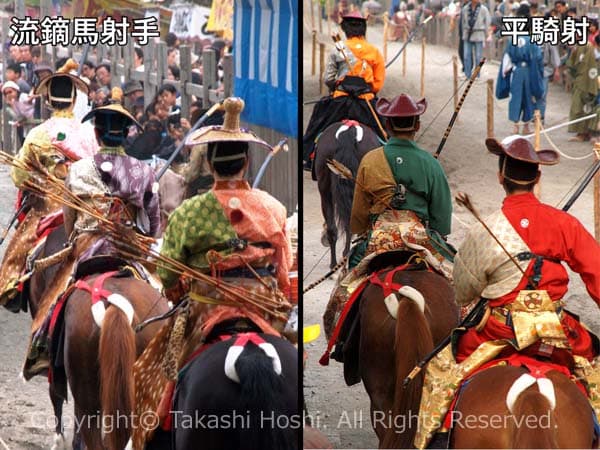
{"points": [[59, 442]]}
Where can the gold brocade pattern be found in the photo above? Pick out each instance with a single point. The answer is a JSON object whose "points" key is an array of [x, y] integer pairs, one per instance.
{"points": [[442, 378], [534, 317]]}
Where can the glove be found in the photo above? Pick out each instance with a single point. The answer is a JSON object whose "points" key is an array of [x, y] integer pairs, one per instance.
{"points": [[178, 291]]}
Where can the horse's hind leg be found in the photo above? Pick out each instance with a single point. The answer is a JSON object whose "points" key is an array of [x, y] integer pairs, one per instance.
{"points": [[348, 242], [57, 404]]}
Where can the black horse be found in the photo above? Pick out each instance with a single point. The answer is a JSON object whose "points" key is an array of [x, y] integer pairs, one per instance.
{"points": [[346, 142], [261, 411]]}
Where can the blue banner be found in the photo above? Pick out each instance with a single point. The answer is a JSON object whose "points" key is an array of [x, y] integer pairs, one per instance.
{"points": [[265, 50]]}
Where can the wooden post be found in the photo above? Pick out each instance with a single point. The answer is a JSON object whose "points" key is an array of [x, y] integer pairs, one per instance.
{"points": [[314, 53], [423, 44], [490, 108], [185, 75], [161, 63], [320, 15], [455, 71], [404, 53], [148, 58], [227, 75], [20, 8], [538, 126], [596, 197], [537, 189], [321, 67], [328, 11], [45, 10], [386, 26], [209, 78]]}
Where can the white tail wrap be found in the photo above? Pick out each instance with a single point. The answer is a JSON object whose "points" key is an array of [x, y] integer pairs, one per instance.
{"points": [[359, 132], [235, 351], [99, 311], [526, 380], [391, 301]]}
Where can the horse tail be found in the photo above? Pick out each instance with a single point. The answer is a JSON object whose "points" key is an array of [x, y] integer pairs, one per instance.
{"points": [[262, 396], [116, 357], [542, 432], [412, 343], [346, 152]]}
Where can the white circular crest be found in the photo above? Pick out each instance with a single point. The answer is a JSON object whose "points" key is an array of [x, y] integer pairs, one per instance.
{"points": [[521, 42], [593, 73], [399, 160], [524, 223], [234, 203], [106, 166]]}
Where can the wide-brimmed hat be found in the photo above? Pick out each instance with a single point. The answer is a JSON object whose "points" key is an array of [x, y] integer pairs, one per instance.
{"points": [[401, 106], [354, 15], [115, 107], [521, 149], [229, 131], [43, 87], [41, 67]]}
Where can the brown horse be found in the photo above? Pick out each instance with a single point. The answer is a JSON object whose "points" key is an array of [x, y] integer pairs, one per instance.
{"points": [[99, 361], [94, 357], [348, 145], [534, 421], [389, 349]]}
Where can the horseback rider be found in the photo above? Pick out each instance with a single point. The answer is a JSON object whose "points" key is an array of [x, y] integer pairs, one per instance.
{"points": [[354, 73], [232, 232], [401, 201], [524, 315], [235, 220], [401, 176], [54, 143], [118, 187]]}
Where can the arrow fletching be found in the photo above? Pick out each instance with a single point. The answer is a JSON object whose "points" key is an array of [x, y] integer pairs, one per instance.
{"points": [[339, 169]]}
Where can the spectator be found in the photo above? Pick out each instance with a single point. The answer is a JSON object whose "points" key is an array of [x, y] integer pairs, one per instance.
{"points": [[173, 73], [561, 8], [14, 73], [171, 56], [168, 94], [172, 40], [132, 90], [103, 75], [592, 30], [476, 22], [138, 59], [89, 70]]}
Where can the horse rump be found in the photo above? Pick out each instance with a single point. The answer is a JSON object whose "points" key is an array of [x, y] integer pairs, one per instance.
{"points": [[261, 411]]}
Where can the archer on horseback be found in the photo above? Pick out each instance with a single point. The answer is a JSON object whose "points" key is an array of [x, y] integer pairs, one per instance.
{"points": [[521, 284], [55, 143], [355, 73], [118, 188], [234, 234], [401, 198]]}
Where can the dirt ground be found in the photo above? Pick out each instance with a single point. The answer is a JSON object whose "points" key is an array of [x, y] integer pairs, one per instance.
{"points": [[342, 413]]}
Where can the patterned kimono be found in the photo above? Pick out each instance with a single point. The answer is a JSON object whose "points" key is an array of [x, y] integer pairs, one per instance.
{"points": [[60, 138]]}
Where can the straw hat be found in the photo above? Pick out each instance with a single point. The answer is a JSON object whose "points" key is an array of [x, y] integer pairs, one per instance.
{"points": [[64, 72], [115, 107], [229, 131]]}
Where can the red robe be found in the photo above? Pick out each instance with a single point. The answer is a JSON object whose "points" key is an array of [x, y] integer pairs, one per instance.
{"points": [[554, 234]]}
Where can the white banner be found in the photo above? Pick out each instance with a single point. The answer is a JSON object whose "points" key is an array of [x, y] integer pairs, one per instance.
{"points": [[189, 21]]}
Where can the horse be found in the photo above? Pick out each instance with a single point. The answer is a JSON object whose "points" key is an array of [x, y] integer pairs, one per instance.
{"points": [[95, 357], [386, 349], [99, 361], [537, 418], [256, 407], [346, 142]]}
